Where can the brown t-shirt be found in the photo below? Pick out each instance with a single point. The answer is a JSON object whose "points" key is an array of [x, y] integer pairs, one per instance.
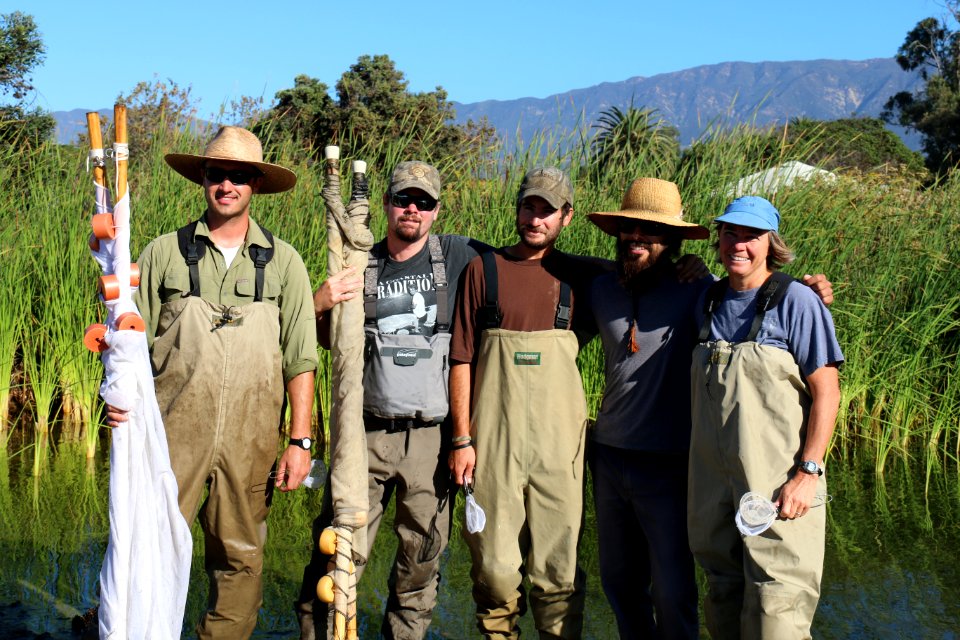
{"points": [[528, 292]]}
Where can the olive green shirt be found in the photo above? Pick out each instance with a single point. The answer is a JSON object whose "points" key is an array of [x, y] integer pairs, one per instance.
{"points": [[165, 277]]}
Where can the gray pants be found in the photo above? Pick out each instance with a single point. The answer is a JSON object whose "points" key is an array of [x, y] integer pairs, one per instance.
{"points": [[411, 464]]}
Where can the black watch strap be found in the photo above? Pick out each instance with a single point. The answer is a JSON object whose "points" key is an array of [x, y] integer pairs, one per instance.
{"points": [[303, 443]]}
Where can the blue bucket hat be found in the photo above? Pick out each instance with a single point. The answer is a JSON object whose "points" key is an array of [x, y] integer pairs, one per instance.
{"points": [[752, 211]]}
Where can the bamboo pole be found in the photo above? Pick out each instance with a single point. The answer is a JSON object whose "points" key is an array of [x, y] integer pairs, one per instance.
{"points": [[120, 148], [96, 143]]}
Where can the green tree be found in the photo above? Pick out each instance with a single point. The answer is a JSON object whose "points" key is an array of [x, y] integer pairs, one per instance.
{"points": [[21, 50], [373, 114], [157, 111], [932, 48], [624, 138]]}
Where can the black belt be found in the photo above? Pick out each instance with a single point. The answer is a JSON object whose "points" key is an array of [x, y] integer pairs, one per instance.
{"points": [[394, 425]]}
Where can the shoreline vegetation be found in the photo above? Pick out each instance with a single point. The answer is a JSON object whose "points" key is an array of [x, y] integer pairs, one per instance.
{"points": [[885, 240]]}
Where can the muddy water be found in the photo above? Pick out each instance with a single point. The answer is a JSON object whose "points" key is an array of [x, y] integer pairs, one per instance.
{"points": [[893, 558]]}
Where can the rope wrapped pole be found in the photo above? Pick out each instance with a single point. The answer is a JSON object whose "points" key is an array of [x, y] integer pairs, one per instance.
{"points": [[348, 243]]}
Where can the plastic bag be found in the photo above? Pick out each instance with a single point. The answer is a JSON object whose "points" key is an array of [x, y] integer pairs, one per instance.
{"points": [[317, 475], [755, 515], [476, 518]]}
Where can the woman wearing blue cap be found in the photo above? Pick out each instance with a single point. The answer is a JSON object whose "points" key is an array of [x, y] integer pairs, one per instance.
{"points": [[765, 395]]}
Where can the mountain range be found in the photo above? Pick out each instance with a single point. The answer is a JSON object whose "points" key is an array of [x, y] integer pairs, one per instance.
{"points": [[734, 92]]}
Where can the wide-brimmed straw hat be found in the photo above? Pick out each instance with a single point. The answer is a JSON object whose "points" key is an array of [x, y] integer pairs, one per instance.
{"points": [[652, 200], [237, 145]]}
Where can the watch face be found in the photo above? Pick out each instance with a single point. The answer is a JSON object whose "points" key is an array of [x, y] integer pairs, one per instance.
{"points": [[306, 443], [810, 467]]}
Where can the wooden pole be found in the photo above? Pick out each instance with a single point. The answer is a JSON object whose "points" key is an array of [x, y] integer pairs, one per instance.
{"points": [[96, 142], [120, 124]]}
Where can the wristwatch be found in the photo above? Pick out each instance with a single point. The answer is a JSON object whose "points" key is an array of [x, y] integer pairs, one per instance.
{"points": [[811, 467], [303, 443]]}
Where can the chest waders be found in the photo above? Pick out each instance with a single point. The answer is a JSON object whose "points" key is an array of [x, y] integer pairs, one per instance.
{"points": [[220, 389], [528, 422], [405, 398], [750, 410]]}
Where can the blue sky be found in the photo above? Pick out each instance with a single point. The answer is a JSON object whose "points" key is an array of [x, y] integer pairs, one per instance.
{"points": [[490, 49]]}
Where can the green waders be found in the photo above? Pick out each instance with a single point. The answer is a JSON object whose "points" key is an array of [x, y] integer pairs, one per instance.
{"points": [[220, 390], [529, 423], [750, 407]]}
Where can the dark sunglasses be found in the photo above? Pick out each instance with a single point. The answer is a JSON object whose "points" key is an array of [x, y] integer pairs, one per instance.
{"points": [[403, 200], [216, 175], [645, 227]]}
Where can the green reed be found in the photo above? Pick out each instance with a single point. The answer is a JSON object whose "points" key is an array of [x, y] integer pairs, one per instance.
{"points": [[886, 245]]}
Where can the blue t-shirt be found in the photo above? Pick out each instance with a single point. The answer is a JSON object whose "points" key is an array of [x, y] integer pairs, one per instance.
{"points": [[800, 324]]}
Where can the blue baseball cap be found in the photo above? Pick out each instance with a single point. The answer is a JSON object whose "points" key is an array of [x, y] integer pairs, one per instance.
{"points": [[752, 211]]}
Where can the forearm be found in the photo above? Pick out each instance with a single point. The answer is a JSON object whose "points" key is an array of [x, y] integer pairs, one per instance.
{"points": [[300, 391], [824, 386], [460, 381]]}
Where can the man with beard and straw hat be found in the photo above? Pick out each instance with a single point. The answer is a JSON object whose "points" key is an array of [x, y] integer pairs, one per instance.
{"points": [[640, 442], [230, 321]]}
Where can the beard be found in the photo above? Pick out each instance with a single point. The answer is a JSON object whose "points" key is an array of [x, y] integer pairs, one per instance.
{"points": [[639, 272], [409, 233], [546, 240]]}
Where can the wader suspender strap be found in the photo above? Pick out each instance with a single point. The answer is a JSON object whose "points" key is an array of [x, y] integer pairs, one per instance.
{"points": [[371, 275], [489, 316], [193, 252], [769, 296]]}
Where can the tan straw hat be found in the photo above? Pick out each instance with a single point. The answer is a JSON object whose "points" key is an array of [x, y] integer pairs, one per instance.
{"points": [[653, 200], [237, 145]]}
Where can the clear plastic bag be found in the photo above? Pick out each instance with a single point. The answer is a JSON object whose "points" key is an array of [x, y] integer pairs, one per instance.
{"points": [[476, 518], [755, 515], [317, 475]]}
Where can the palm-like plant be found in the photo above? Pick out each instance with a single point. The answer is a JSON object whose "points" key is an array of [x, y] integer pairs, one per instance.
{"points": [[638, 140]]}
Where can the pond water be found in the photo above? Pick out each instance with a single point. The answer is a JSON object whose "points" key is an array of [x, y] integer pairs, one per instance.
{"points": [[892, 565]]}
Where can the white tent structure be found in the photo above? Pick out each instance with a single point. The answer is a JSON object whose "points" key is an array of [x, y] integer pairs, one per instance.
{"points": [[784, 175]]}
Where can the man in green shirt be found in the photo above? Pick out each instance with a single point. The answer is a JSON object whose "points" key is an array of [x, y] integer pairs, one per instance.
{"points": [[229, 317]]}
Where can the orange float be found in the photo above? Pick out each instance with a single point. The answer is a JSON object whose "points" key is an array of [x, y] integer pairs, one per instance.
{"points": [[103, 226], [130, 321], [325, 589], [93, 338], [328, 542]]}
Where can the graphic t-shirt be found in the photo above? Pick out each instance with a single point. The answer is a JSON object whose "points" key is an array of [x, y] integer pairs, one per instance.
{"points": [[406, 292]]}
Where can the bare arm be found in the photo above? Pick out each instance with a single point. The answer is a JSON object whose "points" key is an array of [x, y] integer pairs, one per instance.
{"points": [[461, 461], [797, 495], [295, 461]]}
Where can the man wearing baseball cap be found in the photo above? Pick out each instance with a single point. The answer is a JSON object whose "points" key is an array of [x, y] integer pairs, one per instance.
{"points": [[408, 287], [519, 416], [230, 323]]}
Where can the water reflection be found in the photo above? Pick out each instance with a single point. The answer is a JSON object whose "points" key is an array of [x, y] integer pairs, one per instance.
{"points": [[891, 571]]}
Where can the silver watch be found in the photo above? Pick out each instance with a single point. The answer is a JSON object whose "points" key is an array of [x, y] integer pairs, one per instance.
{"points": [[811, 467]]}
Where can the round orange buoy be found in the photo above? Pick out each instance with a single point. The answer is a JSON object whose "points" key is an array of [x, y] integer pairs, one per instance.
{"points": [[130, 321], [109, 287], [93, 338], [325, 589], [328, 542], [103, 227], [134, 274], [93, 243]]}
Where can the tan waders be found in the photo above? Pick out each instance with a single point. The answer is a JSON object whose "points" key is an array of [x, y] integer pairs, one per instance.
{"points": [[529, 424], [750, 408], [220, 388]]}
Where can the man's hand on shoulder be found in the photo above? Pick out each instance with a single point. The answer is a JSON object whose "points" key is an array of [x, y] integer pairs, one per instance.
{"points": [[691, 267], [821, 286]]}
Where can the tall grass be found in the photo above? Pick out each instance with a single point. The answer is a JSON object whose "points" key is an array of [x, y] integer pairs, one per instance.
{"points": [[887, 246]]}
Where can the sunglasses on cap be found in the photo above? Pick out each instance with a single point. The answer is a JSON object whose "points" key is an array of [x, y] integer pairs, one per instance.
{"points": [[403, 200], [645, 227], [216, 175]]}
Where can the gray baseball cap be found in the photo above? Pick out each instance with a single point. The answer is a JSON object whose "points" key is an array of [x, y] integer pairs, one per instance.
{"points": [[414, 174], [550, 183]]}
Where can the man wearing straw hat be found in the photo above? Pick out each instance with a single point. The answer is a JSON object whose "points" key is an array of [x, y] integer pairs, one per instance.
{"points": [[230, 322], [408, 287], [519, 417], [640, 443]]}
